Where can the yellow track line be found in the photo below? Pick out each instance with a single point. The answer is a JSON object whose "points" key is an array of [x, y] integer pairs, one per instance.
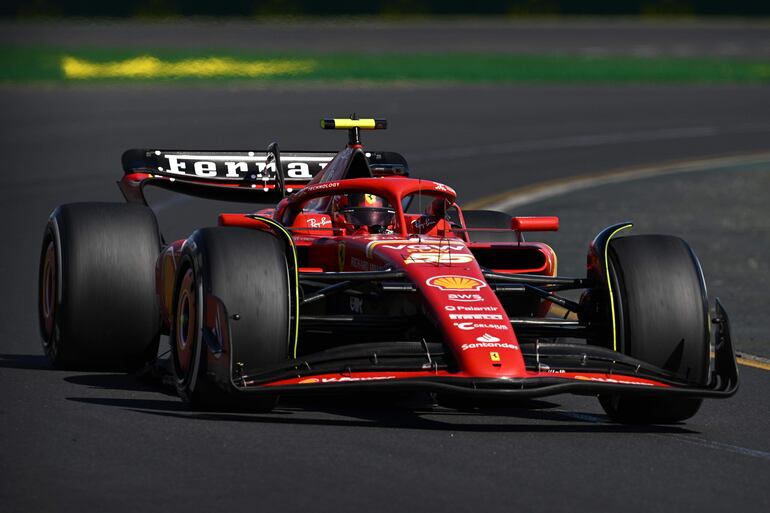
{"points": [[753, 361], [150, 67]]}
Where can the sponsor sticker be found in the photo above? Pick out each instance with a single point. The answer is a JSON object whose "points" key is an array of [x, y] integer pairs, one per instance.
{"points": [[412, 248], [372, 245], [621, 381], [446, 258], [470, 326], [322, 186], [489, 345], [476, 316], [364, 265], [443, 188], [471, 308], [319, 223], [494, 356], [356, 304], [465, 298], [454, 283], [344, 379], [486, 337]]}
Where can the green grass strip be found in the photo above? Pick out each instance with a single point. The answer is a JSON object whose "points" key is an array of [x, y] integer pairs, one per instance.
{"points": [[121, 65]]}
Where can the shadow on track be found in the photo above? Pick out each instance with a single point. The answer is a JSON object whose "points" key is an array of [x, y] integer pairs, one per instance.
{"points": [[383, 414], [377, 410], [25, 361], [119, 381]]}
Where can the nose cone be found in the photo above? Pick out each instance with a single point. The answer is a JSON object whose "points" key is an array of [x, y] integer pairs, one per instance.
{"points": [[474, 323], [466, 311]]}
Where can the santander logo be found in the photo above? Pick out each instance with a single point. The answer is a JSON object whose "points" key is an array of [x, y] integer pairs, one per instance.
{"points": [[486, 337]]}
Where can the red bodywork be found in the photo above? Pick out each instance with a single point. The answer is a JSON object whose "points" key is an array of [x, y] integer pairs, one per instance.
{"points": [[443, 268], [437, 258]]}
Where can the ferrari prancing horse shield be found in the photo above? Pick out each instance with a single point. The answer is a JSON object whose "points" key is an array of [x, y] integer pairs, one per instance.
{"points": [[341, 256]]}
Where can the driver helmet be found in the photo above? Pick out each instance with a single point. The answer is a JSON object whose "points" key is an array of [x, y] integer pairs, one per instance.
{"points": [[359, 210]]}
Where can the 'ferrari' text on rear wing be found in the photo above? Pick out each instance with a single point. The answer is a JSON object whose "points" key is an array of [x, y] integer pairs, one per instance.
{"points": [[231, 166], [235, 175]]}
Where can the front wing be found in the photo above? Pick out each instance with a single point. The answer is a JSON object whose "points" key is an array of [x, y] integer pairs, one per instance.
{"points": [[552, 368]]}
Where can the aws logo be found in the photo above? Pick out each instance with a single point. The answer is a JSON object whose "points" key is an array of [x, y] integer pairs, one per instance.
{"points": [[465, 298]]}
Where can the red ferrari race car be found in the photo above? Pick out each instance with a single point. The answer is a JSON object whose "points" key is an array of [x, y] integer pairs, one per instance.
{"points": [[361, 278]]}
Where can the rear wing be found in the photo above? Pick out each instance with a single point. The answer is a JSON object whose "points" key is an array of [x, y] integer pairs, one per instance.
{"points": [[244, 176]]}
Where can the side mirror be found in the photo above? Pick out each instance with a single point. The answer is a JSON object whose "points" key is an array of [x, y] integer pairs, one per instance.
{"points": [[535, 224]]}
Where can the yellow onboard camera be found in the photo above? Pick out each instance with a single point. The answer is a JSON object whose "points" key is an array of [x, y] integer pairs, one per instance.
{"points": [[350, 124]]}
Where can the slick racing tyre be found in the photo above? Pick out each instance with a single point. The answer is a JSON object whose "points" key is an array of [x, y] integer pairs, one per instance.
{"points": [[489, 219], [97, 305], [661, 315], [247, 271]]}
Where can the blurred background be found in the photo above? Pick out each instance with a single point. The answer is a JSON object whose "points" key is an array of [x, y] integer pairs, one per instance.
{"points": [[490, 97], [599, 111], [384, 7]]}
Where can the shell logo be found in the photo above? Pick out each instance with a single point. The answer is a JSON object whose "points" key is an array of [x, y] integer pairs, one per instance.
{"points": [[309, 380], [455, 283]]}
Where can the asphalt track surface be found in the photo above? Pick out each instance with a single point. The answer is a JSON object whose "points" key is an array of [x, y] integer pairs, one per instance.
{"points": [[73, 441], [588, 37], [717, 205]]}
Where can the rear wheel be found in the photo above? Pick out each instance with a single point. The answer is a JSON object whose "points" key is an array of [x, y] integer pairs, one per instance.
{"points": [[97, 306], [661, 315], [246, 270]]}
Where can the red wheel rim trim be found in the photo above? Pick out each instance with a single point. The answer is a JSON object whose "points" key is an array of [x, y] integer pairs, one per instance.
{"points": [[186, 320], [48, 292]]}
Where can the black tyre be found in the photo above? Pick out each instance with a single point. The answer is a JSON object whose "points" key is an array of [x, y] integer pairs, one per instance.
{"points": [[661, 313], [489, 219], [97, 303], [247, 270]]}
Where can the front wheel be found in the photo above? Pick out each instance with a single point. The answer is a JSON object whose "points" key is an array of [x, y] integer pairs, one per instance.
{"points": [[246, 272], [661, 317]]}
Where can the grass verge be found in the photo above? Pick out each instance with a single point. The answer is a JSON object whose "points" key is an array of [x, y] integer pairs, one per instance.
{"points": [[35, 64]]}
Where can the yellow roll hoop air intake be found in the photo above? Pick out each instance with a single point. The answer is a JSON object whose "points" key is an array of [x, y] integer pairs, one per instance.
{"points": [[349, 124]]}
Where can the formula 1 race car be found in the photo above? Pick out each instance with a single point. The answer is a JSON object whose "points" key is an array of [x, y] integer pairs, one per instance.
{"points": [[361, 278]]}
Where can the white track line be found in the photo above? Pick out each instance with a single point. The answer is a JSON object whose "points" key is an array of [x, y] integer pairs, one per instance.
{"points": [[582, 141], [692, 440]]}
